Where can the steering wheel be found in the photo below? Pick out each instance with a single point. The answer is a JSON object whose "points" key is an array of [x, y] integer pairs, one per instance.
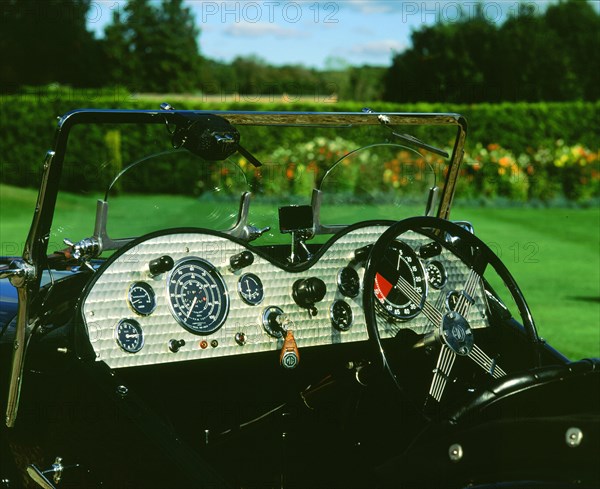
{"points": [[450, 328]]}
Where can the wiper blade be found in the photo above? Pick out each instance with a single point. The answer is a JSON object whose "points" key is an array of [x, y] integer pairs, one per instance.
{"points": [[417, 142], [384, 120]]}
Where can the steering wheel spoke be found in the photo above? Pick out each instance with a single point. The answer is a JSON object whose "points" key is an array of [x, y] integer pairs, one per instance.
{"points": [[441, 373], [466, 299], [487, 363], [402, 293], [429, 310]]}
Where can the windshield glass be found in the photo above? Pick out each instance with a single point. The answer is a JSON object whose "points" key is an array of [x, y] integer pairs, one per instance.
{"points": [[152, 181]]}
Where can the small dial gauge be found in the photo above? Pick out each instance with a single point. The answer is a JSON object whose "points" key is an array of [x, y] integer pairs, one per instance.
{"points": [[452, 299], [141, 298], [400, 284], [198, 297], [348, 282], [341, 315], [436, 274], [129, 335], [251, 289]]}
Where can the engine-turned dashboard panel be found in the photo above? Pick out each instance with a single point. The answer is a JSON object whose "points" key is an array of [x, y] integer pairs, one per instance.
{"points": [[196, 295]]}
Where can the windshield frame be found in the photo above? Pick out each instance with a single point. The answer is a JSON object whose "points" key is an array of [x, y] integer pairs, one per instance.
{"points": [[36, 245]]}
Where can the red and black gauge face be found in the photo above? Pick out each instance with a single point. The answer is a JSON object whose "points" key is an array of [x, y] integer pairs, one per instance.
{"points": [[400, 261]]}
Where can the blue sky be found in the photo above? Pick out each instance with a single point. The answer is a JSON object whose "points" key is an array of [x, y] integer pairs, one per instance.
{"points": [[315, 33]]}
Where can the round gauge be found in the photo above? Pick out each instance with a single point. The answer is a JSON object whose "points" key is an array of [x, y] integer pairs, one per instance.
{"points": [[141, 298], [251, 289], [129, 335], [341, 315], [198, 297], [436, 274], [452, 299], [400, 261], [348, 282]]}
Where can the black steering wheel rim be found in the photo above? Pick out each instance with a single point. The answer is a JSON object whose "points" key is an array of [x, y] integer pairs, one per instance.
{"points": [[484, 256]]}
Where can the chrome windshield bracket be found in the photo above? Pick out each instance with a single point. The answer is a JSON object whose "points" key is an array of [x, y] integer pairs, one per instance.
{"points": [[100, 235], [242, 230], [318, 228]]}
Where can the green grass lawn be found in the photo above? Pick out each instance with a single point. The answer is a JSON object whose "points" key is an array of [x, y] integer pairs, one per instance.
{"points": [[552, 253]]}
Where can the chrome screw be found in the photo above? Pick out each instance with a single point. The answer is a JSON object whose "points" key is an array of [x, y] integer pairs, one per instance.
{"points": [[455, 452]]}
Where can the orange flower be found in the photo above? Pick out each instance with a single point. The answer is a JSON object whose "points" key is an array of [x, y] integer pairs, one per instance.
{"points": [[493, 146], [504, 161]]}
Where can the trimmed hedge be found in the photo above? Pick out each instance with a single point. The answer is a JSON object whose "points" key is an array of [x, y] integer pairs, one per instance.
{"points": [[28, 123]]}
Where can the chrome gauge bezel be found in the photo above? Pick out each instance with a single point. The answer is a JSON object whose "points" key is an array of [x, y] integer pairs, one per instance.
{"points": [[251, 301], [342, 285], [151, 295], [441, 269], [123, 345], [333, 317], [217, 278]]}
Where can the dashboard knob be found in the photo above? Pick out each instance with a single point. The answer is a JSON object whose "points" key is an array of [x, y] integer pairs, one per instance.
{"points": [[175, 345], [160, 265], [241, 260], [308, 291]]}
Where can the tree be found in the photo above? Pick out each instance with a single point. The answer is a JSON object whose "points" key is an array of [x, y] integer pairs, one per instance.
{"points": [[153, 48], [577, 26], [45, 42], [530, 57]]}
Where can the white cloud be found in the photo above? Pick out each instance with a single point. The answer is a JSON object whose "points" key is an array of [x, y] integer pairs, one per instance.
{"points": [[262, 29], [378, 48], [372, 6]]}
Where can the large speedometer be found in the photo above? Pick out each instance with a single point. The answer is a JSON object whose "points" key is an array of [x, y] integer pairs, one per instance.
{"points": [[400, 284], [198, 297]]}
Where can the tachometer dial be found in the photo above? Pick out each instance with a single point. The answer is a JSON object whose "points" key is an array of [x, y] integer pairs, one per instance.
{"points": [[251, 289], [141, 298], [129, 335], [436, 274], [400, 301], [198, 297], [341, 315]]}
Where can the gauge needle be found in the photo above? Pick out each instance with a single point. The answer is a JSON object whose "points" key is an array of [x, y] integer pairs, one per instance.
{"points": [[132, 335], [191, 307]]}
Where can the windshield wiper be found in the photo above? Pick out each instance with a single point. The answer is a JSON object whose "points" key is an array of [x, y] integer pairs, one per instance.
{"points": [[384, 120]]}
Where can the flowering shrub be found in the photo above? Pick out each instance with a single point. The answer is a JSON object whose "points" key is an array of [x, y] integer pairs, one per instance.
{"points": [[542, 174], [495, 172], [577, 168], [488, 171]]}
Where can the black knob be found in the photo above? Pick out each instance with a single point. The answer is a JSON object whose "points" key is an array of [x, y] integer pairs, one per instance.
{"points": [[241, 260], [175, 345], [160, 265], [306, 292], [430, 250]]}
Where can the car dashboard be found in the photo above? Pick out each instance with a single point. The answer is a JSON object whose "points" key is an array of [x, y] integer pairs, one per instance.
{"points": [[194, 294]]}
